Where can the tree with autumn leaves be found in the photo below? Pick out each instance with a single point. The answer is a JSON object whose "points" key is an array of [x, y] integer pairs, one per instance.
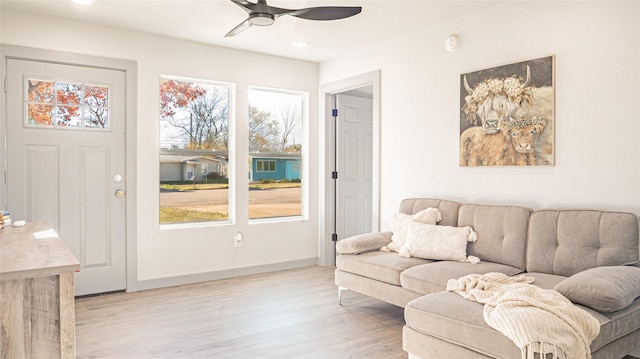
{"points": [[57, 103], [201, 115], [40, 101]]}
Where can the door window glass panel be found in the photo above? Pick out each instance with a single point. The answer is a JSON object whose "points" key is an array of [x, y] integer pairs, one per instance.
{"points": [[276, 147], [68, 93], [40, 91], [96, 110], [96, 117], [194, 151], [65, 104], [39, 114], [96, 96]]}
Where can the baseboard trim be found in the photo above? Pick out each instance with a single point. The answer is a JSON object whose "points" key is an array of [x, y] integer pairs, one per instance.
{"points": [[224, 274]]}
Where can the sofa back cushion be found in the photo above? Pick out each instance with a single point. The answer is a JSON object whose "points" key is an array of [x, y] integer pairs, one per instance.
{"points": [[502, 232], [448, 209], [567, 241]]}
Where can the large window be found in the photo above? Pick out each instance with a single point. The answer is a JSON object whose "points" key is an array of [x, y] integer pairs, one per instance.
{"points": [[276, 143], [194, 156]]}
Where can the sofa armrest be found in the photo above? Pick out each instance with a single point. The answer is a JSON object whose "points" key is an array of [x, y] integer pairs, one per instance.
{"points": [[361, 243]]}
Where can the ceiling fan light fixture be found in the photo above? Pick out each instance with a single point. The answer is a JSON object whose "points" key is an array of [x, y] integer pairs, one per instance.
{"points": [[261, 19]]}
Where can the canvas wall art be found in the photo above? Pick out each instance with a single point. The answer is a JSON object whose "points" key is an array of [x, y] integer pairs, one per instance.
{"points": [[507, 115]]}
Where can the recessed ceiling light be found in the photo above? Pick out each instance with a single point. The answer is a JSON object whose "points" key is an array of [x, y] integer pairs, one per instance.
{"points": [[299, 43], [83, 2]]}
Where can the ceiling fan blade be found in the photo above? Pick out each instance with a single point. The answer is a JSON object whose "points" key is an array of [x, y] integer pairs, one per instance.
{"points": [[278, 11], [238, 29], [325, 12], [245, 5]]}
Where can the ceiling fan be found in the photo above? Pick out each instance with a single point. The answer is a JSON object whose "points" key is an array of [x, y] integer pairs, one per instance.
{"points": [[261, 14]]}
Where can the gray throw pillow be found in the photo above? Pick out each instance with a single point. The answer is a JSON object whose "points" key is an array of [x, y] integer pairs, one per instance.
{"points": [[605, 289]]}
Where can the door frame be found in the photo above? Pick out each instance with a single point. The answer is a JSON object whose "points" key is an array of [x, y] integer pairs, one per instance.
{"points": [[130, 69], [326, 155]]}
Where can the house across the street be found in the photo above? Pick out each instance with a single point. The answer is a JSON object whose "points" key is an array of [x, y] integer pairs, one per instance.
{"points": [[180, 168], [274, 166]]}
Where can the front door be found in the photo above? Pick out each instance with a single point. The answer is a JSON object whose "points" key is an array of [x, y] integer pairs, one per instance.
{"points": [[355, 161], [66, 160]]}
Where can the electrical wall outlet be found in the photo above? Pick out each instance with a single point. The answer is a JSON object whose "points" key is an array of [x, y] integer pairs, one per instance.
{"points": [[237, 240]]}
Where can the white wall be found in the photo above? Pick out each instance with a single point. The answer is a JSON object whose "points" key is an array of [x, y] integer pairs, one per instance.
{"points": [[597, 50], [597, 83], [167, 253]]}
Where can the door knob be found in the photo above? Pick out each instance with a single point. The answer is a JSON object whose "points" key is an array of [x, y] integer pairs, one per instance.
{"points": [[119, 193]]}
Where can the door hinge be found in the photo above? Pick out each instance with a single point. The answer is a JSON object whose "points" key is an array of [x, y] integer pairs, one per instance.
{"points": [[334, 112], [334, 237], [6, 83], [334, 175]]}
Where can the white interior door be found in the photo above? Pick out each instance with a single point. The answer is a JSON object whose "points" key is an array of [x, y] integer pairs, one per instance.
{"points": [[66, 161], [355, 165]]}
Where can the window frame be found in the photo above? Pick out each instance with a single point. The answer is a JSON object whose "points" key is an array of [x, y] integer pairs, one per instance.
{"points": [[231, 154], [303, 160]]}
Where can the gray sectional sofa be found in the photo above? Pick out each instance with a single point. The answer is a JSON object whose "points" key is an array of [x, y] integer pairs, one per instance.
{"points": [[590, 256]]}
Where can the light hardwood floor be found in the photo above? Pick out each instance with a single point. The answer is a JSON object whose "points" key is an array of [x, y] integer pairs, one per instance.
{"points": [[286, 314]]}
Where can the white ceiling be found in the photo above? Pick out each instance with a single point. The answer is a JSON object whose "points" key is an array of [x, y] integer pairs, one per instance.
{"points": [[207, 21]]}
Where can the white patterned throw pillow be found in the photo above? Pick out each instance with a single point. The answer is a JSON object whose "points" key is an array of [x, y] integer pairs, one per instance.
{"points": [[400, 225], [437, 242]]}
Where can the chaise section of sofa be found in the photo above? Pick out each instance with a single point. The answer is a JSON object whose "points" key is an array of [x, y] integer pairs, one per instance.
{"points": [[589, 256]]}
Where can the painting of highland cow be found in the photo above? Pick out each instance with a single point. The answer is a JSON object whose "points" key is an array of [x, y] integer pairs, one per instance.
{"points": [[507, 115]]}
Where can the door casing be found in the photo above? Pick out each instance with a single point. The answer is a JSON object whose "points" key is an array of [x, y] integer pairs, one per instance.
{"points": [[327, 145]]}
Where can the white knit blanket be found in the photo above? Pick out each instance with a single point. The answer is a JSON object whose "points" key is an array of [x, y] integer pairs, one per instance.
{"points": [[536, 320]]}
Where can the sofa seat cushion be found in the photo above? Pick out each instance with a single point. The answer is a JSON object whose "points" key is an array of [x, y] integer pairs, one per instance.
{"points": [[450, 317], [432, 277], [383, 266]]}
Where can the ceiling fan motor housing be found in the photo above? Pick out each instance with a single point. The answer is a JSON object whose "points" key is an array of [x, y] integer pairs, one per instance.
{"points": [[261, 19]]}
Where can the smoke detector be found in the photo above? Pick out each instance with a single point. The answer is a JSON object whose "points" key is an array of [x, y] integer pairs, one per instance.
{"points": [[452, 43]]}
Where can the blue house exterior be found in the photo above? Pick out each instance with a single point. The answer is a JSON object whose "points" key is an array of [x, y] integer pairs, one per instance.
{"points": [[275, 167]]}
